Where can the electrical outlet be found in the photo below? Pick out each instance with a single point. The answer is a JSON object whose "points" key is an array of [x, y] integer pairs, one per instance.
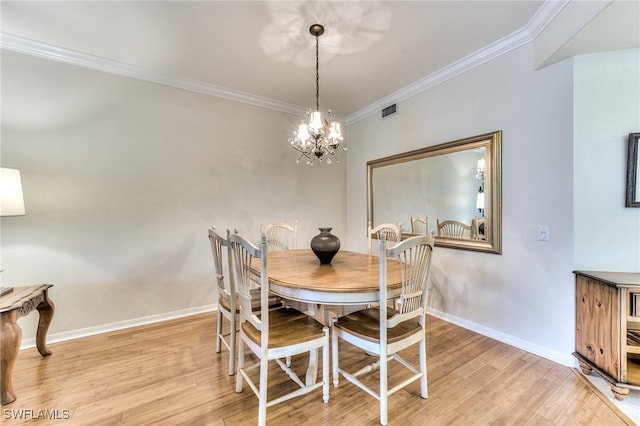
{"points": [[543, 233]]}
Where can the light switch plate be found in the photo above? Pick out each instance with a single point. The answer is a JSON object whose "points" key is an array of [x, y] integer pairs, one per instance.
{"points": [[543, 233]]}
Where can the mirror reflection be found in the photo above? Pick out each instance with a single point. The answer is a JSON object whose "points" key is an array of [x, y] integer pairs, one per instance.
{"points": [[451, 191]]}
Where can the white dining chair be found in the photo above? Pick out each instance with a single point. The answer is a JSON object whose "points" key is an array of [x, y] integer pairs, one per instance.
{"points": [[419, 225], [383, 331], [391, 232], [272, 335], [453, 229], [280, 236], [228, 300]]}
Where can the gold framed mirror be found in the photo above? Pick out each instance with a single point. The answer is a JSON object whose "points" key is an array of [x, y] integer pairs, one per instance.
{"points": [[633, 177], [456, 184]]}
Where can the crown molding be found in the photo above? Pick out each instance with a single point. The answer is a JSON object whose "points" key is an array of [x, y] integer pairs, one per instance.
{"points": [[43, 50], [545, 14]]}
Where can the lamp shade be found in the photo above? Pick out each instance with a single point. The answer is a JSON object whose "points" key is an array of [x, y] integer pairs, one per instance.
{"points": [[315, 122], [480, 201], [11, 200]]}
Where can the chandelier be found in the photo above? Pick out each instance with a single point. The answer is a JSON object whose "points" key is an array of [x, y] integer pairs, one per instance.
{"points": [[316, 136], [480, 169]]}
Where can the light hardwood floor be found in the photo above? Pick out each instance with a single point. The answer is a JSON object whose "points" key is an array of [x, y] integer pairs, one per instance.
{"points": [[170, 374]]}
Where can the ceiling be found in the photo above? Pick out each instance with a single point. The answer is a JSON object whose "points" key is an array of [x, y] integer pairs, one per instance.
{"points": [[371, 50]]}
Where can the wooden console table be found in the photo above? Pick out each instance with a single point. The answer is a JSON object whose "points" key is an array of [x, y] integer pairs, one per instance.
{"points": [[608, 328], [14, 305]]}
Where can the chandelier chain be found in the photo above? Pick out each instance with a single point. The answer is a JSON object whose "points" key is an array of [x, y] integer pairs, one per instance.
{"points": [[317, 77]]}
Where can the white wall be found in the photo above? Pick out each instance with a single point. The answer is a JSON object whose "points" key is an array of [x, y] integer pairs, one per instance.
{"points": [[607, 109], [525, 295], [122, 179]]}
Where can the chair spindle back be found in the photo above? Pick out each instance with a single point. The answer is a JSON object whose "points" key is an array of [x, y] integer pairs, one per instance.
{"points": [[241, 254], [281, 236], [453, 229], [389, 231], [414, 256], [418, 224], [218, 243]]}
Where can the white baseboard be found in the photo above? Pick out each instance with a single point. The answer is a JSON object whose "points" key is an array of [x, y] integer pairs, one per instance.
{"points": [[560, 358], [120, 325], [564, 359]]}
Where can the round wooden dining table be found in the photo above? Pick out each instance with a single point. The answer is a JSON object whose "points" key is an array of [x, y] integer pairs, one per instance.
{"points": [[351, 279]]}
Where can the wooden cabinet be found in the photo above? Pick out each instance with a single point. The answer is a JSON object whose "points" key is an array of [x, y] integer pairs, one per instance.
{"points": [[608, 327]]}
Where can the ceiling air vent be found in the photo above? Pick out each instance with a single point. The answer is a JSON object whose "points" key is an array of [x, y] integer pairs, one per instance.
{"points": [[390, 110]]}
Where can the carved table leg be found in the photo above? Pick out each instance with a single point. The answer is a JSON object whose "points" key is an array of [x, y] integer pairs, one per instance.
{"points": [[586, 368], [618, 392], [45, 309], [11, 338]]}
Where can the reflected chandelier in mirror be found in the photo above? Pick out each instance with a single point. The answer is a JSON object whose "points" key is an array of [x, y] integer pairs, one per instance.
{"points": [[454, 181]]}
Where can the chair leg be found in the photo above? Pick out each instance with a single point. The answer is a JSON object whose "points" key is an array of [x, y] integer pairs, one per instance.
{"points": [[232, 347], [423, 368], [240, 364], [312, 370], [218, 331], [383, 387], [262, 398], [325, 367], [334, 357]]}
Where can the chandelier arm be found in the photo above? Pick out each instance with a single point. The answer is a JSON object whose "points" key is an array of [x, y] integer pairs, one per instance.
{"points": [[316, 138]]}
